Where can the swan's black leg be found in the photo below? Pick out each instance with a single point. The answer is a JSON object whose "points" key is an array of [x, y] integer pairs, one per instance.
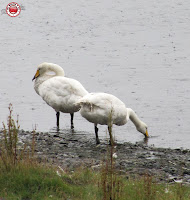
{"points": [[96, 133], [57, 114], [72, 116], [111, 137]]}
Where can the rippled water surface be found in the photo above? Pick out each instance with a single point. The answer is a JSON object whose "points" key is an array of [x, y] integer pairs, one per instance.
{"points": [[136, 50]]}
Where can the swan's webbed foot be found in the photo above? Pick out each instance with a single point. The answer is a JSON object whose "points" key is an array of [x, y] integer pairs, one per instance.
{"points": [[111, 143], [97, 141]]}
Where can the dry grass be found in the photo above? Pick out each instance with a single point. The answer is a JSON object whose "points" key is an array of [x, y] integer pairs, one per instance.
{"points": [[23, 177]]}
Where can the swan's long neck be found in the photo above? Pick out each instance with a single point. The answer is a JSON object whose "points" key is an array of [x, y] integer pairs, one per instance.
{"points": [[51, 71], [38, 82], [51, 67], [59, 72], [133, 117]]}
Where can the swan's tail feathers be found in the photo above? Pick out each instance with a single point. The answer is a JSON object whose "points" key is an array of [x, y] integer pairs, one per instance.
{"points": [[84, 103], [80, 103], [77, 103]]}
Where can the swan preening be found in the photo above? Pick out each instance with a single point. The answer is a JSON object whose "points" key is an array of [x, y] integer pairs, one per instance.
{"points": [[57, 91], [68, 96], [106, 109]]}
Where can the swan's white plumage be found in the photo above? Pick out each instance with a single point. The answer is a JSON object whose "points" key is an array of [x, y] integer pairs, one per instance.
{"points": [[59, 92], [106, 109], [100, 108], [62, 93]]}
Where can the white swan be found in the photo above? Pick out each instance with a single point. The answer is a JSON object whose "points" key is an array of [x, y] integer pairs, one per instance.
{"points": [[106, 109], [57, 91]]}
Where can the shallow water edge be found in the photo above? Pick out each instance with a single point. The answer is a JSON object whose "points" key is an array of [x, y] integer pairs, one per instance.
{"points": [[71, 151]]}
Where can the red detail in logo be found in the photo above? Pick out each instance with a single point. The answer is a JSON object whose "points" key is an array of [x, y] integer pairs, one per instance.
{"points": [[13, 9]]}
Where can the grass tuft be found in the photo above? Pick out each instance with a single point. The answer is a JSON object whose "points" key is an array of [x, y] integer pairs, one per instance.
{"points": [[23, 177]]}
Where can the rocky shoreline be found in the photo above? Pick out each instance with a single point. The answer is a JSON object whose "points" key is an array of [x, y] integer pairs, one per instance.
{"points": [[71, 150]]}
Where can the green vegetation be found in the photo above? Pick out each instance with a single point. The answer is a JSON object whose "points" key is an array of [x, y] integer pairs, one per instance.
{"points": [[42, 182], [23, 177]]}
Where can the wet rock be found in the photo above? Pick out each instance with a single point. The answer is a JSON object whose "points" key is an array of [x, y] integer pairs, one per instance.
{"points": [[186, 172]]}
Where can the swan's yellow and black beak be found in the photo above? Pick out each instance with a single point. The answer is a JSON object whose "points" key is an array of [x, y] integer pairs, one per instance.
{"points": [[36, 75], [146, 134]]}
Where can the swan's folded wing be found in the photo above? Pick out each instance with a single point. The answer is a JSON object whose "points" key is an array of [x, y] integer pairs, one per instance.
{"points": [[101, 108], [62, 86], [61, 92], [101, 100]]}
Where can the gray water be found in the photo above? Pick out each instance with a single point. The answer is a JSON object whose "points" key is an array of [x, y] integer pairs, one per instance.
{"points": [[137, 50]]}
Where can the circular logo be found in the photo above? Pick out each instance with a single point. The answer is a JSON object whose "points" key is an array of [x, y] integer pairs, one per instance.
{"points": [[13, 9]]}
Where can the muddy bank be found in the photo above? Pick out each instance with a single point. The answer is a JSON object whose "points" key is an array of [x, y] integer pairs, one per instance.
{"points": [[72, 150]]}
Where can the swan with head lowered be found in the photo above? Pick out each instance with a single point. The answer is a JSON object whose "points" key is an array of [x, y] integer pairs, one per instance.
{"points": [[59, 92], [106, 109]]}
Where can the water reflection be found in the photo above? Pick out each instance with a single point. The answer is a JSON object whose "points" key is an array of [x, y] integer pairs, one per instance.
{"points": [[145, 79], [144, 141]]}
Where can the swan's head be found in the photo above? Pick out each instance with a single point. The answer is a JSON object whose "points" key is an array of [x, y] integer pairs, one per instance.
{"points": [[143, 129], [48, 69]]}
